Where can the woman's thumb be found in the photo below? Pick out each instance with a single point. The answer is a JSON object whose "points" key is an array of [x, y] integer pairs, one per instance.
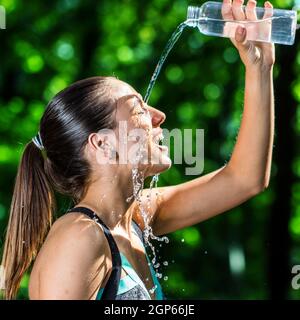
{"points": [[240, 34], [240, 37]]}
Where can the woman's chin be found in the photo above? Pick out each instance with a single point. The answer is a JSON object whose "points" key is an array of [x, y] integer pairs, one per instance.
{"points": [[161, 160], [156, 168], [158, 162]]}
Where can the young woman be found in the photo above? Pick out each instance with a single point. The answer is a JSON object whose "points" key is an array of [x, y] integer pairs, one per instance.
{"points": [[79, 259]]}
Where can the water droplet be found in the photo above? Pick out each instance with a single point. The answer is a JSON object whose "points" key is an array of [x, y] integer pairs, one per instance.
{"points": [[166, 278], [205, 252], [165, 263], [182, 240], [153, 289]]}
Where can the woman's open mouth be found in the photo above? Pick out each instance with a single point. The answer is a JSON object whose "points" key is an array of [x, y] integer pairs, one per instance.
{"points": [[158, 139]]}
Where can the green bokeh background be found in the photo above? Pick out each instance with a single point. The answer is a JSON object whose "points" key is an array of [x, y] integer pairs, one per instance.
{"points": [[247, 253]]}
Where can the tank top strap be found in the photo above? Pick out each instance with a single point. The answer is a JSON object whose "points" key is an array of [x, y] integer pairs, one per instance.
{"points": [[111, 287]]}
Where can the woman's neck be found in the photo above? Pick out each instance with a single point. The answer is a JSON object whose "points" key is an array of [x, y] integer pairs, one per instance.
{"points": [[107, 197]]}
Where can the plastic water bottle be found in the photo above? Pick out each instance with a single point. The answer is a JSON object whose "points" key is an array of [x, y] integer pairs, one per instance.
{"points": [[272, 25]]}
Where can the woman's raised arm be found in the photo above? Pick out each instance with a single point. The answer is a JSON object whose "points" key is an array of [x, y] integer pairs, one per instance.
{"points": [[248, 171]]}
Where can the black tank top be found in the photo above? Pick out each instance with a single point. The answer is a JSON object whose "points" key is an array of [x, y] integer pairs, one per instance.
{"points": [[111, 288]]}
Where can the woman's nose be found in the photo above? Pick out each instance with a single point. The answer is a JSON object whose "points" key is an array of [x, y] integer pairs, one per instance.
{"points": [[157, 117]]}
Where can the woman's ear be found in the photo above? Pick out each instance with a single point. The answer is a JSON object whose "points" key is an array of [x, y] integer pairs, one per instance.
{"points": [[104, 143], [96, 141], [100, 143]]}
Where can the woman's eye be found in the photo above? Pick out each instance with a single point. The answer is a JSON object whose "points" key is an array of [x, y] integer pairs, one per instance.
{"points": [[140, 112]]}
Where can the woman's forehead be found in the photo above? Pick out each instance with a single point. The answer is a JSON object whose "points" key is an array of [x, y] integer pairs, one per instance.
{"points": [[129, 102], [122, 89], [127, 98]]}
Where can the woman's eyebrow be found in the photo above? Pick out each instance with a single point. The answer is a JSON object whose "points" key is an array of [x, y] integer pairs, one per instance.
{"points": [[140, 100]]}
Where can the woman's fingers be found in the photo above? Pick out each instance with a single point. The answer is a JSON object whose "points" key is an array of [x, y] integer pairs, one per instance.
{"points": [[268, 10], [252, 28], [229, 29], [227, 10], [267, 25], [237, 10], [251, 10]]}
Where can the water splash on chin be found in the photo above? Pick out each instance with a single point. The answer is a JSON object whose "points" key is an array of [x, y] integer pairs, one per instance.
{"points": [[145, 210]]}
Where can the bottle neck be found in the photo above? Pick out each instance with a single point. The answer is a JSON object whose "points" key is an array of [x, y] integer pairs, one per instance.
{"points": [[194, 16], [197, 22]]}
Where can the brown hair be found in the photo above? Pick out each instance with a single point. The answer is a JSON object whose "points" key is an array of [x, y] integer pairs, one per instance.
{"points": [[82, 108]]}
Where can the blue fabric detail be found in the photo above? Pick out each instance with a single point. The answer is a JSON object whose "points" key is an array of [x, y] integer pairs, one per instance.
{"points": [[134, 276], [132, 279], [125, 284]]}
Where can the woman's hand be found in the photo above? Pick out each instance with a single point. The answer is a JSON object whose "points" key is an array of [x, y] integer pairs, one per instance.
{"points": [[254, 54]]}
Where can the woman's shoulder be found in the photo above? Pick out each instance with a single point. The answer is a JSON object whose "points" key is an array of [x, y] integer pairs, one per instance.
{"points": [[75, 246], [77, 230], [74, 222]]}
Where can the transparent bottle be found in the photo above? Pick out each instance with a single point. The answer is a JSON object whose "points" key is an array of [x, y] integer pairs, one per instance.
{"points": [[272, 25]]}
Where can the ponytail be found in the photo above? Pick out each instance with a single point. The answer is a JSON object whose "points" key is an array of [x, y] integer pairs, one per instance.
{"points": [[31, 211]]}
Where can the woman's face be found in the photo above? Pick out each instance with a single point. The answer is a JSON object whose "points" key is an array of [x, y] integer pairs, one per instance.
{"points": [[141, 124]]}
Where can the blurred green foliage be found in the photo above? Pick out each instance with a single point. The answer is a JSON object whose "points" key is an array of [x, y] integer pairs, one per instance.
{"points": [[48, 45]]}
